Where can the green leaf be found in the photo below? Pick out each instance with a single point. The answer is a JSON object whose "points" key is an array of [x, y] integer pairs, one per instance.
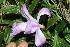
{"points": [[20, 2], [52, 21], [67, 30], [60, 26], [20, 40], [17, 21], [55, 41], [67, 34], [46, 2], [32, 6], [47, 35], [1, 36], [50, 42], [68, 37], [58, 42], [7, 37], [12, 2], [12, 9], [50, 6], [53, 14], [1, 1], [63, 43]]}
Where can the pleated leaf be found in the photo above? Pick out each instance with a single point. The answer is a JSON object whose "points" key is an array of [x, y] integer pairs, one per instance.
{"points": [[11, 9], [32, 6], [52, 21]]}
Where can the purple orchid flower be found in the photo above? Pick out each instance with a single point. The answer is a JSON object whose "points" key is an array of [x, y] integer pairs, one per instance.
{"points": [[32, 25]]}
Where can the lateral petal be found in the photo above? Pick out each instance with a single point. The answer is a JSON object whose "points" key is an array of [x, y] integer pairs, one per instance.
{"points": [[39, 38], [17, 28], [42, 12]]}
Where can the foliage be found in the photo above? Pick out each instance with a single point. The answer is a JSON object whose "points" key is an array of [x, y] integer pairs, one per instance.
{"points": [[57, 31]]}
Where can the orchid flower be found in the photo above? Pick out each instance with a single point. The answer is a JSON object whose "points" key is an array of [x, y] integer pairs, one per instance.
{"points": [[32, 25]]}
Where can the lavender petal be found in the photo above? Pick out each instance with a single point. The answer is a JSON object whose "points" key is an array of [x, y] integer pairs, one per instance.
{"points": [[17, 28], [42, 12], [32, 26], [39, 38], [25, 13]]}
